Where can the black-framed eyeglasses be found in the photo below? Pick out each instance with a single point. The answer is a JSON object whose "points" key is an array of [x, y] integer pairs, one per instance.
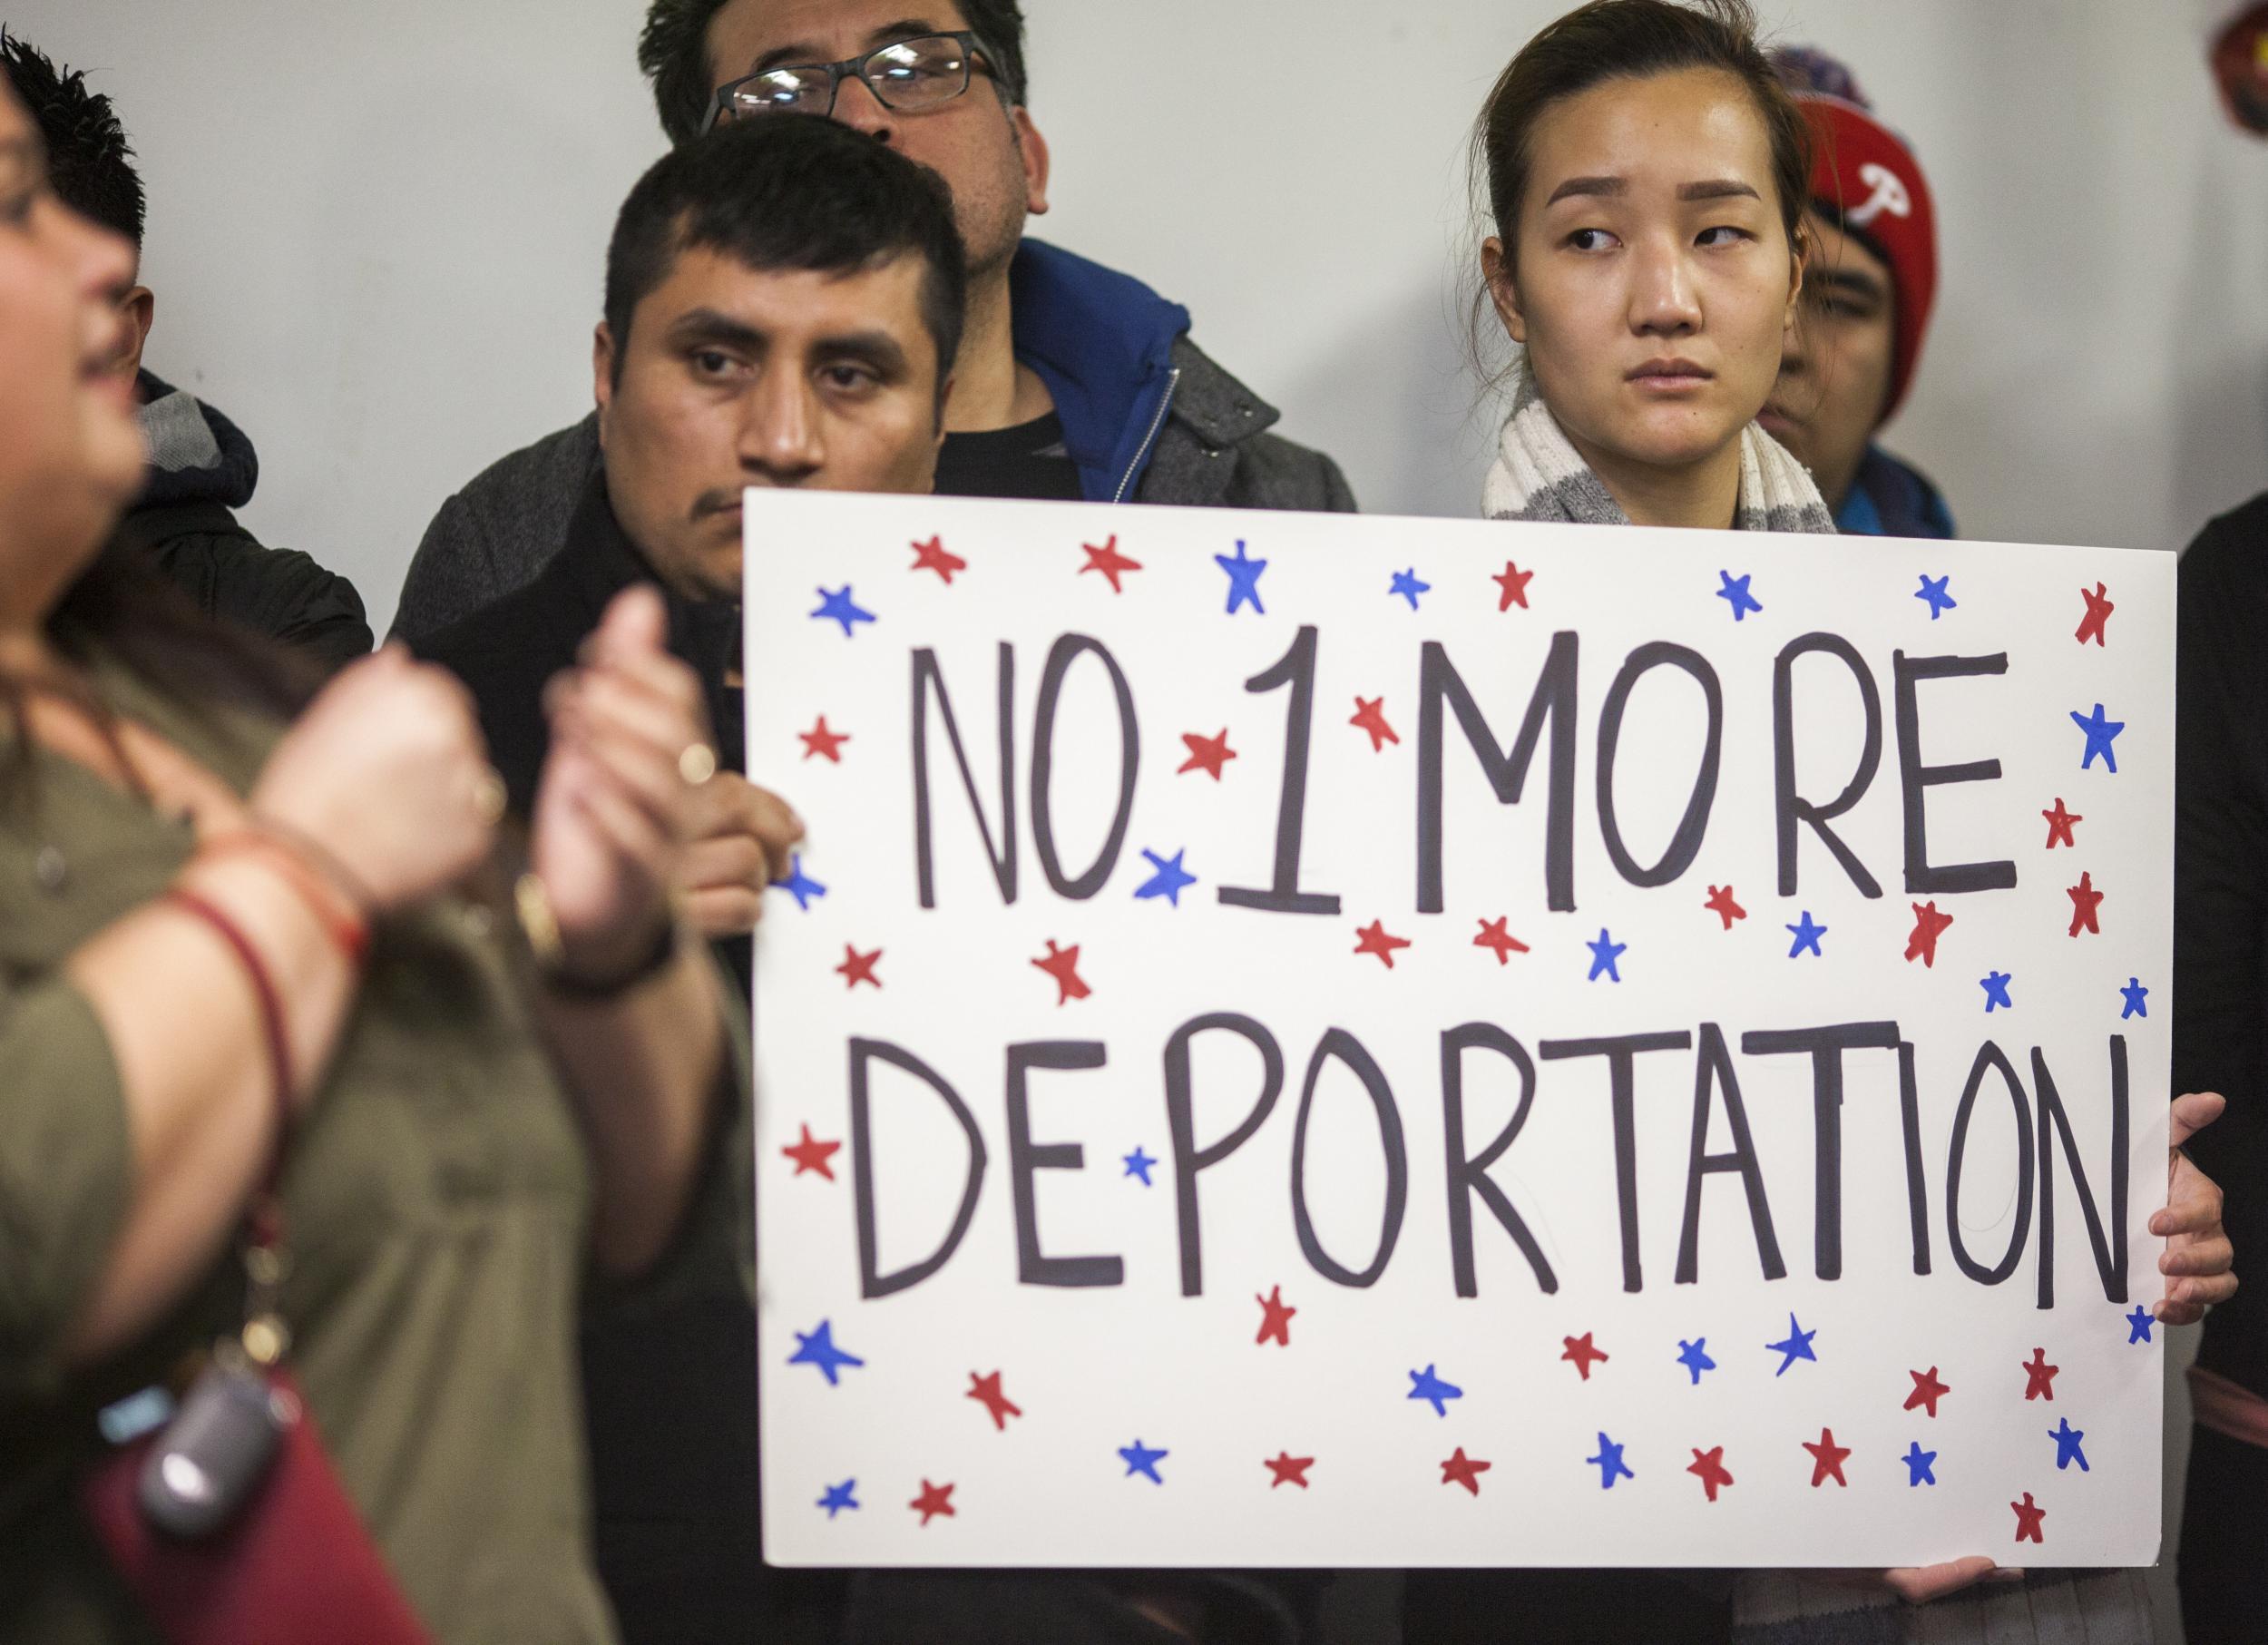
{"points": [[906, 75]]}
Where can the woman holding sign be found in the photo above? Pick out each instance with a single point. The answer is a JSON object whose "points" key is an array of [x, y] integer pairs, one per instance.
{"points": [[1647, 178], [245, 1017]]}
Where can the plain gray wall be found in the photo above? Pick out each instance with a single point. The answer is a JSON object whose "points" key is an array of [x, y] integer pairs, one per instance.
{"points": [[376, 235]]}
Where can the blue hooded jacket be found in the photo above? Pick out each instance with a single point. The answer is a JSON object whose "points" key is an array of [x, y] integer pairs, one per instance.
{"points": [[1102, 342], [1892, 499]]}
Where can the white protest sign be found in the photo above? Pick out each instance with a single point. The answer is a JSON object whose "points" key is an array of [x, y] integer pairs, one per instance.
{"points": [[1318, 1041]]}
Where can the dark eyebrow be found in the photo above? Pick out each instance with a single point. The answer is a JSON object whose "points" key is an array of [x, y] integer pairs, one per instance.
{"points": [[1723, 188], [878, 349], [1856, 281], [802, 54], [1606, 187], [706, 326]]}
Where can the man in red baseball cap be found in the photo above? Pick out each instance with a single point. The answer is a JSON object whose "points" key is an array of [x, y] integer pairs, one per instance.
{"points": [[1868, 291]]}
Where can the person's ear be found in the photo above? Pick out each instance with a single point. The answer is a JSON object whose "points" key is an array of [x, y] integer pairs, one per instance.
{"points": [[1496, 269], [945, 395], [1032, 149], [603, 376], [1799, 259], [140, 308]]}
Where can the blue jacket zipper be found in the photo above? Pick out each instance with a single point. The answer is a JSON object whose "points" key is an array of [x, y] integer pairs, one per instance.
{"points": [[1173, 381]]}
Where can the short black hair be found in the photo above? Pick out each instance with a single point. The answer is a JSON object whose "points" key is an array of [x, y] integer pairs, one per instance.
{"points": [[789, 191], [90, 164], [673, 51]]}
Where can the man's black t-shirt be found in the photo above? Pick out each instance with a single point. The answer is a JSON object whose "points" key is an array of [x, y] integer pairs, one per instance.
{"points": [[1028, 461]]}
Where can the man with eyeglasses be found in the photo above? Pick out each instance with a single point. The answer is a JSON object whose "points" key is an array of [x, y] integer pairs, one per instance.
{"points": [[1075, 381]]}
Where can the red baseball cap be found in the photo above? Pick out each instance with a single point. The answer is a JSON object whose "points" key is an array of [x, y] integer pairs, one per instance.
{"points": [[1865, 178]]}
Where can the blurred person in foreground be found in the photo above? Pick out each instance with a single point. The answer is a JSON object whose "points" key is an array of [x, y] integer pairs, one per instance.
{"points": [[201, 467], [234, 947]]}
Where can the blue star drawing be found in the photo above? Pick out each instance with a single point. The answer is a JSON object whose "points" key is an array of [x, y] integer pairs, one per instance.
{"points": [[1694, 1356], [1996, 987], [2100, 734], [1138, 1164], [2138, 1324], [1798, 1346], [839, 607], [1140, 1459], [1406, 586], [1920, 1465], [818, 1349], [800, 885], [1169, 882], [1243, 579], [1425, 1385], [1609, 1464], [2068, 1452], [839, 1497], [1933, 593], [1806, 935], [2138, 999], [1736, 594], [1604, 953]]}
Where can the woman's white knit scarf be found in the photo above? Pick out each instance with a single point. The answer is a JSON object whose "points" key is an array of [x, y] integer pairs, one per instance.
{"points": [[1538, 476]]}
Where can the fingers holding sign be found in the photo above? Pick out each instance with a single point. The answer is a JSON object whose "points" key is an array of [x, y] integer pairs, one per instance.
{"points": [[2198, 1257], [743, 840]]}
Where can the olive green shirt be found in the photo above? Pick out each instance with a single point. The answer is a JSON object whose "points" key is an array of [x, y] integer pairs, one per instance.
{"points": [[438, 1200]]}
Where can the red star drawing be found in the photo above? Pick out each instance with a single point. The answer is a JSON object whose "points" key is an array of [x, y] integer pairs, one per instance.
{"points": [[2039, 1378], [1708, 1467], [1375, 940], [1207, 754], [812, 1155], [858, 968], [1827, 1460], [985, 1391], [931, 556], [1928, 925], [933, 1501], [2059, 826], [1062, 964], [1275, 1320], [1722, 905], [820, 743], [1370, 715], [2099, 611], [1291, 1470], [2085, 903], [2029, 1515], [1462, 1470], [1497, 937], [1112, 563], [1927, 1390], [1583, 1353], [1514, 582]]}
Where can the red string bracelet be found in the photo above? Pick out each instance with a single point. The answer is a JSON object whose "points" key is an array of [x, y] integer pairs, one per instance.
{"points": [[344, 925]]}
